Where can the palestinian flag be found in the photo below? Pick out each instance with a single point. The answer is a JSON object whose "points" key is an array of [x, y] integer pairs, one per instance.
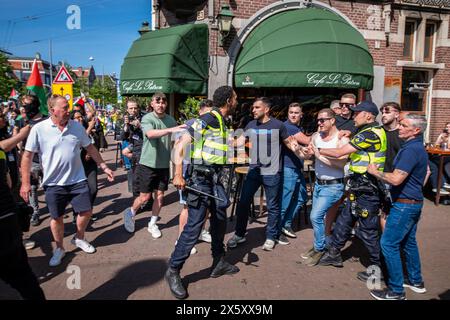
{"points": [[13, 94], [34, 84]]}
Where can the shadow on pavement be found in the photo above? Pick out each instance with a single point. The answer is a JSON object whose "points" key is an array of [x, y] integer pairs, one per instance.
{"points": [[129, 279], [243, 253]]}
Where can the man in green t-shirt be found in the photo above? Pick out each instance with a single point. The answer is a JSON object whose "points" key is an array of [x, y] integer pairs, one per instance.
{"points": [[153, 172]]}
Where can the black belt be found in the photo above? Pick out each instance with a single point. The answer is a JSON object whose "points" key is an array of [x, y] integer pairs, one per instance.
{"points": [[328, 182]]}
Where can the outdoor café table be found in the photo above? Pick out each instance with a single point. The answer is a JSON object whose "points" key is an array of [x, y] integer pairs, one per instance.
{"points": [[441, 154]]}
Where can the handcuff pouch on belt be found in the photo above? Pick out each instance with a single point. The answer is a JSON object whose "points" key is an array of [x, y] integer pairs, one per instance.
{"points": [[359, 185], [208, 172]]}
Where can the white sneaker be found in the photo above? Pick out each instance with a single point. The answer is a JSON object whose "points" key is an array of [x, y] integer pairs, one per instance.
{"points": [[58, 254], [128, 220], [193, 250], [443, 191], [269, 245], [447, 185], [205, 236], [154, 230], [29, 244], [83, 245]]}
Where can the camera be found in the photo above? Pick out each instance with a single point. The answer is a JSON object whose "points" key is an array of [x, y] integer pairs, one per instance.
{"points": [[445, 130], [131, 118]]}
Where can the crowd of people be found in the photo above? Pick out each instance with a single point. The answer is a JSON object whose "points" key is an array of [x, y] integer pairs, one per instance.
{"points": [[369, 180]]}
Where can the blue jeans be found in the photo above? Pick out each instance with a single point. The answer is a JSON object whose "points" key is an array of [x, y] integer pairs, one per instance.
{"points": [[400, 233], [294, 195], [324, 197], [272, 186]]}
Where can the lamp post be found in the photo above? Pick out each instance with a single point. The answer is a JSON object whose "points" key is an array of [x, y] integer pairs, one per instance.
{"points": [[224, 19]]}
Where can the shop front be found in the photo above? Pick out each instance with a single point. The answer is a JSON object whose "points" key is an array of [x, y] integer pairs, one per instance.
{"points": [[309, 55]]}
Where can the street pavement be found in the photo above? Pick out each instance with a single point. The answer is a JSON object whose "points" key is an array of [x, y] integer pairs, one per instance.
{"points": [[132, 266]]}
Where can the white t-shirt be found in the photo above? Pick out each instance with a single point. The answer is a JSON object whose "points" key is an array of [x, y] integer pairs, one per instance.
{"points": [[59, 151], [324, 171]]}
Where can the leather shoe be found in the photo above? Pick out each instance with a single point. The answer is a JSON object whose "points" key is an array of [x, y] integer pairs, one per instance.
{"points": [[176, 286], [222, 267], [331, 258]]}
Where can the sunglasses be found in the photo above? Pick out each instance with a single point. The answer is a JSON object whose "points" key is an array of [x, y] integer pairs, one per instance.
{"points": [[347, 105], [322, 120]]}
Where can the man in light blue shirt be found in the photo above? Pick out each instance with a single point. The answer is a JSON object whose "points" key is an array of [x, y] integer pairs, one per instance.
{"points": [[58, 142]]}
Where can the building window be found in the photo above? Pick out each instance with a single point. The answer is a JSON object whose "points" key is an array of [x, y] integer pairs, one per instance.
{"points": [[410, 35], [26, 65], [414, 90], [430, 31]]}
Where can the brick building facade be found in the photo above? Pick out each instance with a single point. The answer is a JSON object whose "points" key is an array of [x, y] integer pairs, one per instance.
{"points": [[408, 40]]}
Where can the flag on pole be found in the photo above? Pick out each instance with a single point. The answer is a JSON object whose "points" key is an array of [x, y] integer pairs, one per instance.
{"points": [[35, 85]]}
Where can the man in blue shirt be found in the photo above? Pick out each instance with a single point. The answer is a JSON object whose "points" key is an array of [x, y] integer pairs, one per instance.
{"points": [[294, 186], [407, 179]]}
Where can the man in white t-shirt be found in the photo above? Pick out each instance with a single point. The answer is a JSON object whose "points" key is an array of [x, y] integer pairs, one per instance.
{"points": [[329, 185], [58, 142]]}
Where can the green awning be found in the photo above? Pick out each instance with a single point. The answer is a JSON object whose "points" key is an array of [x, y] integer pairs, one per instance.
{"points": [[305, 48], [170, 60]]}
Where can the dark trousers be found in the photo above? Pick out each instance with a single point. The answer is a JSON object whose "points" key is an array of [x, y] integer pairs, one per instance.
{"points": [[434, 167], [14, 267], [367, 230], [90, 169], [272, 188], [197, 207]]}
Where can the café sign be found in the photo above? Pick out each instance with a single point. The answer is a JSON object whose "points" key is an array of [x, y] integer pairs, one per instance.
{"points": [[140, 86], [331, 80]]}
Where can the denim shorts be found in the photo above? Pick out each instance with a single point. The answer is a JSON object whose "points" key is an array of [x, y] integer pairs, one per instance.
{"points": [[58, 197]]}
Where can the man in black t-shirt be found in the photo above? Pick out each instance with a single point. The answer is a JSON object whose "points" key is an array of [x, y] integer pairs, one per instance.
{"points": [[14, 267], [390, 117], [344, 121], [266, 136]]}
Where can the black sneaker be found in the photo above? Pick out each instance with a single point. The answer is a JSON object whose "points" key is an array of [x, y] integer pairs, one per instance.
{"points": [[418, 288], [289, 232], [387, 294], [35, 219], [221, 268], [282, 240]]}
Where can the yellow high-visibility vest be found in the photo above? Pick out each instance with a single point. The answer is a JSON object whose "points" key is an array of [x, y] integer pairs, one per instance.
{"points": [[360, 159], [210, 147]]}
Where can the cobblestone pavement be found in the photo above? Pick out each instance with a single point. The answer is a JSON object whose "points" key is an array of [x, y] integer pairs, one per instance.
{"points": [[129, 266]]}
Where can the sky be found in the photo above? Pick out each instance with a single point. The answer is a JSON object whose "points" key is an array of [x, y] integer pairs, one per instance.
{"points": [[107, 30]]}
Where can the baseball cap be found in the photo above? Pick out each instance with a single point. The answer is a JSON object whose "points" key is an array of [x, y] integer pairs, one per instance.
{"points": [[366, 106]]}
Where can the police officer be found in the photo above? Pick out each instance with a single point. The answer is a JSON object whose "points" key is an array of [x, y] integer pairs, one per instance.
{"points": [[208, 155], [365, 193]]}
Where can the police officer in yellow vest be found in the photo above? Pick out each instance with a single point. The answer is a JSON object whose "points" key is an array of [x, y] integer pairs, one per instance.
{"points": [[208, 140], [364, 193]]}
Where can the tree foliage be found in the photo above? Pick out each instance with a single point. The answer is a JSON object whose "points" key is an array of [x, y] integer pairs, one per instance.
{"points": [[7, 80], [189, 109]]}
